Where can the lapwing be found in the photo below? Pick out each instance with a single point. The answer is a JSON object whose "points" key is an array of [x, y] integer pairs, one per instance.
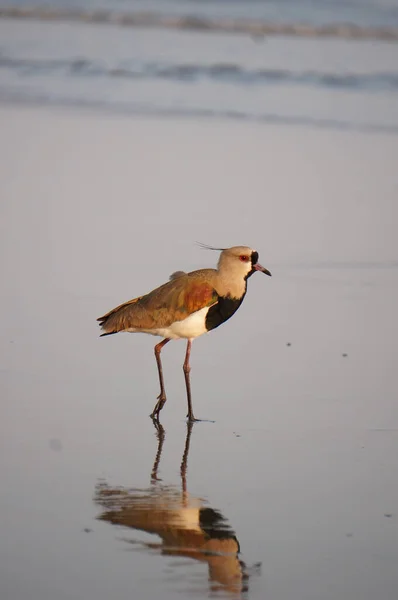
{"points": [[187, 306]]}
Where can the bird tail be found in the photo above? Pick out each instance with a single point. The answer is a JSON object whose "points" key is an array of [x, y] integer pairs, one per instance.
{"points": [[114, 320]]}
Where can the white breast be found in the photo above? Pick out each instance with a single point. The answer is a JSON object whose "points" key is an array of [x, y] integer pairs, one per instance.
{"points": [[191, 327]]}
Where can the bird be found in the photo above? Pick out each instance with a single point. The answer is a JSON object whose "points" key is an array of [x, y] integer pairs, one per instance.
{"points": [[187, 306]]}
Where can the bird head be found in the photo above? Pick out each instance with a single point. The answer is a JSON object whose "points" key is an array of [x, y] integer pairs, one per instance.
{"points": [[240, 261]]}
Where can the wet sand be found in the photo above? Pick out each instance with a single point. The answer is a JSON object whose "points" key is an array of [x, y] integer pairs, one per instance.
{"points": [[301, 460]]}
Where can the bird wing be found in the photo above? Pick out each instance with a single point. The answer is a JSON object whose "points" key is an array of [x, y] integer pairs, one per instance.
{"points": [[173, 301]]}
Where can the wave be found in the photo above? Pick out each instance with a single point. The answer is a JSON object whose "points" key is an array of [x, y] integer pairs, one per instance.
{"points": [[224, 72], [17, 97], [255, 28]]}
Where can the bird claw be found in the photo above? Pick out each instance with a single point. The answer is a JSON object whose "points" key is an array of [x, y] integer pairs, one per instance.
{"points": [[192, 419], [161, 401]]}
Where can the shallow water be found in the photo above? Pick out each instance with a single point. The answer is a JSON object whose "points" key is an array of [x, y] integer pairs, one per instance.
{"points": [[320, 81], [301, 459]]}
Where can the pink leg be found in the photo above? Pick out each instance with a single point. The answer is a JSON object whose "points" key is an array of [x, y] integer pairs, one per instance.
{"points": [[187, 370], [162, 396]]}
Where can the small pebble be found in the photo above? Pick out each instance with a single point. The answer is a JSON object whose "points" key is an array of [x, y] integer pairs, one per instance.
{"points": [[258, 37], [388, 515], [344, 355], [288, 344], [55, 445]]}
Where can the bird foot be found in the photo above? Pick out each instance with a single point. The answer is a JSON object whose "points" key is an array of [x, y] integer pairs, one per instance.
{"points": [[158, 406], [192, 419]]}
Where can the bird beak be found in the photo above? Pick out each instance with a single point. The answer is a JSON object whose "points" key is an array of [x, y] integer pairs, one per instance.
{"points": [[258, 267]]}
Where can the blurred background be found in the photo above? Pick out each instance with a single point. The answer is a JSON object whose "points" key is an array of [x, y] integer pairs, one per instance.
{"points": [[319, 62]]}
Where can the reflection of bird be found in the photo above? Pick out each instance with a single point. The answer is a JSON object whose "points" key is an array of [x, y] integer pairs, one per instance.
{"points": [[186, 527], [187, 306]]}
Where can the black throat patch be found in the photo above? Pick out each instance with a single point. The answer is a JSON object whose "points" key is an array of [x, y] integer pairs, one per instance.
{"points": [[222, 311]]}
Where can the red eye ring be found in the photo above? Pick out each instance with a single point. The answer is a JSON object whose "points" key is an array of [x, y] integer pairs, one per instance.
{"points": [[244, 258]]}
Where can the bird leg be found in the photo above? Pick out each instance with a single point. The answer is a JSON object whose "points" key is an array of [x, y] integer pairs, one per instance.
{"points": [[162, 396], [187, 370]]}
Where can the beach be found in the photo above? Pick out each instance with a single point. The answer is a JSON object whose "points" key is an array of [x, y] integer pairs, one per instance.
{"points": [[300, 443]]}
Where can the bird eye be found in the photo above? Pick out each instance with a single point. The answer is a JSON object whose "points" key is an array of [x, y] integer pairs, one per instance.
{"points": [[244, 258]]}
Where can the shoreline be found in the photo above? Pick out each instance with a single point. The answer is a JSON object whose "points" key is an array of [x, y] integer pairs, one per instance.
{"points": [[179, 115]]}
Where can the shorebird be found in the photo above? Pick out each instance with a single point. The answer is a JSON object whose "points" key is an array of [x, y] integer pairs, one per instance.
{"points": [[187, 306]]}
